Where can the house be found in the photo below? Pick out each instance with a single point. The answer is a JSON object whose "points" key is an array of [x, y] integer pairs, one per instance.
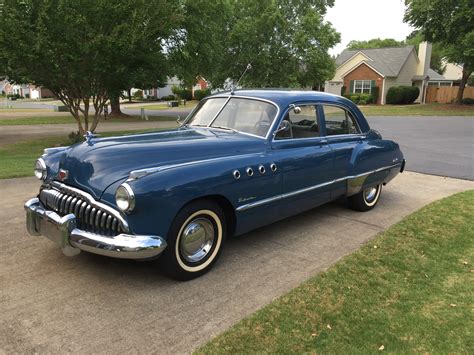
{"points": [[25, 90], [360, 70], [451, 77], [166, 90]]}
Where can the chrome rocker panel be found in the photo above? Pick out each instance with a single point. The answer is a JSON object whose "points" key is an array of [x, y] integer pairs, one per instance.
{"points": [[63, 232]]}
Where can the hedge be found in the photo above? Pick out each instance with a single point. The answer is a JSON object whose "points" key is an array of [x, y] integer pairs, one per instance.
{"points": [[201, 94], [399, 95]]}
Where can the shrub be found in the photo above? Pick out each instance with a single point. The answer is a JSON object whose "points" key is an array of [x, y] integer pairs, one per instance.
{"points": [[343, 90], [138, 94], [467, 101], [168, 98], [182, 93], [399, 95], [201, 94], [359, 99], [76, 137]]}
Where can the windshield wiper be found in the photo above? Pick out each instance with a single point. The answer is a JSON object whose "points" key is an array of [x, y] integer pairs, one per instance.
{"points": [[225, 128]]}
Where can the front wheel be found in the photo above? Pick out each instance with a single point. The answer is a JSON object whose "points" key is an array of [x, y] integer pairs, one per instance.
{"points": [[366, 199], [195, 240]]}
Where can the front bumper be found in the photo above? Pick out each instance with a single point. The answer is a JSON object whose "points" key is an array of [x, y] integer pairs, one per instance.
{"points": [[63, 232]]}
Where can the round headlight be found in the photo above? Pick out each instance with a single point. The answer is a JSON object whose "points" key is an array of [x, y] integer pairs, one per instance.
{"points": [[125, 198], [40, 169]]}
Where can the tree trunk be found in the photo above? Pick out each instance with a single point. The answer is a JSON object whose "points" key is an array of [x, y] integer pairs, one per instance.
{"points": [[466, 72], [130, 95], [115, 106]]}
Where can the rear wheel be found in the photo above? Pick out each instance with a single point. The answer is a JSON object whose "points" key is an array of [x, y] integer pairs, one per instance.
{"points": [[366, 199], [195, 240]]}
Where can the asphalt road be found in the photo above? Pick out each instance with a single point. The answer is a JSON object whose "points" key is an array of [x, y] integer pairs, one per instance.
{"points": [[433, 145], [50, 303]]}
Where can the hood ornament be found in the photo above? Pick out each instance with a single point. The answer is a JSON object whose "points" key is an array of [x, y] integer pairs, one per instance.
{"points": [[88, 136]]}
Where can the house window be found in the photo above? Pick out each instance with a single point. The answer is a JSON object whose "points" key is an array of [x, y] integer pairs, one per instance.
{"points": [[362, 86]]}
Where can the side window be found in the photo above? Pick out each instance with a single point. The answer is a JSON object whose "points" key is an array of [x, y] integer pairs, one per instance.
{"points": [[339, 121], [302, 124]]}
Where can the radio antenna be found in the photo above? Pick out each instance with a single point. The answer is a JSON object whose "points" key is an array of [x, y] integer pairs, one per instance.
{"points": [[248, 67]]}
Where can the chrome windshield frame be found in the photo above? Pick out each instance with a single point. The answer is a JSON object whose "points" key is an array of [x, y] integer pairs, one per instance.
{"points": [[229, 97]]}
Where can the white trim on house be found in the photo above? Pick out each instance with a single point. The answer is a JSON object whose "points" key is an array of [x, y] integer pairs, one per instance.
{"points": [[355, 54], [382, 99], [358, 65]]}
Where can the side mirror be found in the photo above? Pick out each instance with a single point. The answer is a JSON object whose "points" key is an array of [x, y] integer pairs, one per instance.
{"points": [[284, 126], [179, 121], [296, 109]]}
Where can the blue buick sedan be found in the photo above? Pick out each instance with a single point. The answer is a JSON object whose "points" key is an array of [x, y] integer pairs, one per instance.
{"points": [[240, 160]]}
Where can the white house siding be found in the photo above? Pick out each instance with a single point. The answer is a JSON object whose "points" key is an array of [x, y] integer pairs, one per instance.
{"points": [[407, 72]]}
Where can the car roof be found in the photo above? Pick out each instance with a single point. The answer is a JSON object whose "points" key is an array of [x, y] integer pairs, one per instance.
{"points": [[283, 97]]}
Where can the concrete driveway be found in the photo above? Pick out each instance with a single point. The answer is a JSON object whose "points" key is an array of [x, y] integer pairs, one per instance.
{"points": [[50, 303]]}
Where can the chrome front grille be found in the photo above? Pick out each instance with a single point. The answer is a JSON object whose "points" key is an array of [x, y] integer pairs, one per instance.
{"points": [[91, 216]]}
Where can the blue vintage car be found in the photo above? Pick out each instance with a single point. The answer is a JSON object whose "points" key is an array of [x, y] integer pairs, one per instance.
{"points": [[239, 161]]}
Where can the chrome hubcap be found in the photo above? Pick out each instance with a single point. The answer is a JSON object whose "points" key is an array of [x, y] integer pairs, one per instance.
{"points": [[197, 239], [370, 194]]}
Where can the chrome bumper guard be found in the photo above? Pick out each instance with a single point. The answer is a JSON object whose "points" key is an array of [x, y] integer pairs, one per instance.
{"points": [[63, 232]]}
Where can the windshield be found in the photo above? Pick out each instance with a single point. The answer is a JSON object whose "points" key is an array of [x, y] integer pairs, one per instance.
{"points": [[244, 115]]}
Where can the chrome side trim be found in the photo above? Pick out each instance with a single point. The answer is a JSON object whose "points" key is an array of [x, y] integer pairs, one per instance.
{"points": [[309, 188], [72, 190], [137, 174]]}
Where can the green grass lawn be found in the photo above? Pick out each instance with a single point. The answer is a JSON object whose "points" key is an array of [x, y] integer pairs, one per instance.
{"points": [[410, 290], [17, 160], [21, 121], [419, 110]]}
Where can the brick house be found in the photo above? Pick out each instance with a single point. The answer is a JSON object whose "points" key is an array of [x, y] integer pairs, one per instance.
{"points": [[359, 71]]}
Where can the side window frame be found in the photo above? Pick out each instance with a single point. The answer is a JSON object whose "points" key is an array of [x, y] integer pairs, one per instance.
{"points": [[347, 112], [319, 120]]}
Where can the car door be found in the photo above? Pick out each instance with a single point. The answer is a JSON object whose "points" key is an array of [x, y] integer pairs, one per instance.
{"points": [[343, 135], [304, 159]]}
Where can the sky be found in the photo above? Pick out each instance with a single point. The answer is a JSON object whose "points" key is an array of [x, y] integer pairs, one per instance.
{"points": [[366, 19]]}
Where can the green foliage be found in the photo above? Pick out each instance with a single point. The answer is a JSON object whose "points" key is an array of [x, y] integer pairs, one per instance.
{"points": [[402, 95], [343, 90], [138, 94], [169, 98], [359, 99], [75, 137], [449, 23], [201, 94], [467, 101], [85, 51], [286, 43], [182, 93], [375, 43]]}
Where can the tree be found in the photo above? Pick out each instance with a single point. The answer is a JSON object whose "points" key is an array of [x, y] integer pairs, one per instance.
{"points": [[375, 43], [449, 23], [285, 41], [87, 51]]}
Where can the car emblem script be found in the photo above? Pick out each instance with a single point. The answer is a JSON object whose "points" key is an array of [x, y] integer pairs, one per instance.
{"points": [[63, 174]]}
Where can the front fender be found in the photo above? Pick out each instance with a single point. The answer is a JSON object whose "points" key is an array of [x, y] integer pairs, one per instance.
{"points": [[161, 194]]}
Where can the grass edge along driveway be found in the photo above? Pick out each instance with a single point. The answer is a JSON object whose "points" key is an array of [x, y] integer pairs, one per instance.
{"points": [[408, 290]]}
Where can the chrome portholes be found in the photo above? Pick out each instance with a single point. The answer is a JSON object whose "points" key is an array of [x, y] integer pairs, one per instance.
{"points": [[261, 169], [236, 174], [249, 171], [273, 167]]}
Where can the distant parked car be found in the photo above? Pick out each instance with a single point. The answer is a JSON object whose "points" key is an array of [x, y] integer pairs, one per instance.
{"points": [[240, 160]]}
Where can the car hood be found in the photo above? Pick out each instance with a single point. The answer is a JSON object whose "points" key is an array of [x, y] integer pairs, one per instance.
{"points": [[96, 165]]}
